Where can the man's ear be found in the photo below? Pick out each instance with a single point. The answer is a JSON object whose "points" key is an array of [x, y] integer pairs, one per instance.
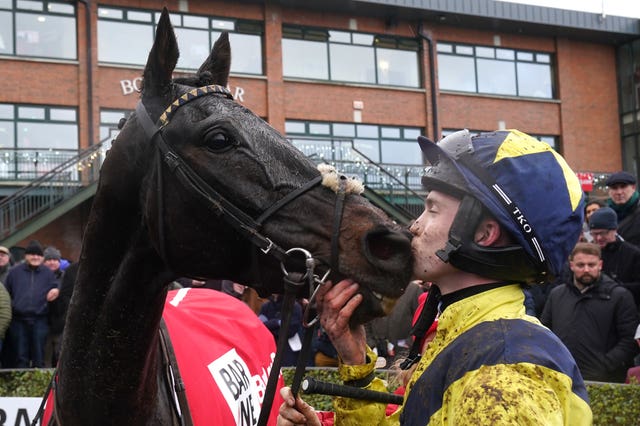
{"points": [[490, 233]]}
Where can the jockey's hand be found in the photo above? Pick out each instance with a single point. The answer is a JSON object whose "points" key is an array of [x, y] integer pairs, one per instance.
{"points": [[295, 412], [336, 304]]}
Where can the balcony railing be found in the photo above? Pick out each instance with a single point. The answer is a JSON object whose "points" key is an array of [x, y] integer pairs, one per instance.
{"points": [[54, 176]]}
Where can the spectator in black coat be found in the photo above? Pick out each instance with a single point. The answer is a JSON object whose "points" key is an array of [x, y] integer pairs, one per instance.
{"points": [[620, 259], [594, 317]]}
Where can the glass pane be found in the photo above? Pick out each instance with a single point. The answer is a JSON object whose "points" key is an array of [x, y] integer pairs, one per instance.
{"points": [[6, 135], [194, 47], [319, 129], [367, 131], [543, 57], [29, 5], [47, 135], [485, 52], [6, 111], [301, 58], [464, 50], [534, 80], [342, 129], [321, 150], [496, 77], [401, 153], [456, 73], [139, 16], [505, 54], [6, 33], [390, 132], [60, 114], [368, 148], [6, 4], [61, 8], [525, 56], [412, 134], [195, 21], [247, 53], [364, 39], [46, 36], [111, 117], [398, 67], [444, 48], [110, 13], [294, 127], [113, 35], [339, 37], [221, 25], [352, 63], [33, 113]]}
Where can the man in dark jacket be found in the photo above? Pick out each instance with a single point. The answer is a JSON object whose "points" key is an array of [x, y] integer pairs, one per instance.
{"points": [[595, 318], [620, 259], [624, 199], [31, 286]]}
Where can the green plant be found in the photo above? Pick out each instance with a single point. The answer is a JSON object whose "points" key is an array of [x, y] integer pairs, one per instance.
{"points": [[612, 404]]}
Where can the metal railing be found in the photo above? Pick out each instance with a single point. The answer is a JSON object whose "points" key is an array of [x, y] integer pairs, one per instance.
{"points": [[60, 177], [399, 184], [56, 176]]}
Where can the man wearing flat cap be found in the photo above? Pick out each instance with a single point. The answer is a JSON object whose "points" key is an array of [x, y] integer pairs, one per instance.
{"points": [[624, 199]]}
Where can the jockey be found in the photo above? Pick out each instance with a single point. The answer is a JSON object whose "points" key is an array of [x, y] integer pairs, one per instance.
{"points": [[502, 210]]}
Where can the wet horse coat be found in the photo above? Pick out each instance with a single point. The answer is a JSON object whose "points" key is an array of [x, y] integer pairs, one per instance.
{"points": [[148, 227]]}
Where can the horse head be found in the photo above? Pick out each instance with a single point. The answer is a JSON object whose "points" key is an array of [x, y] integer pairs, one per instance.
{"points": [[216, 180]]}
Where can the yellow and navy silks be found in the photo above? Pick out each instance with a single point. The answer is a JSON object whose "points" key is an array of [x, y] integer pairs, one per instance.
{"points": [[489, 364]]}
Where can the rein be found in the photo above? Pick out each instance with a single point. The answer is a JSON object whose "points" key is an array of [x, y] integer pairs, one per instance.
{"points": [[249, 228]]}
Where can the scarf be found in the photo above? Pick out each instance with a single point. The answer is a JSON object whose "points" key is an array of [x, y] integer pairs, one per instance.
{"points": [[623, 210]]}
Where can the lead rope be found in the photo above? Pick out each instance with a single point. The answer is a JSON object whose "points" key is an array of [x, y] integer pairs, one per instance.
{"points": [[291, 290]]}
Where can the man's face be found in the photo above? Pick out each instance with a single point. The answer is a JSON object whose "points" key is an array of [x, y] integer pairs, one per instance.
{"points": [[4, 259], [586, 268], [33, 260], [431, 232], [590, 209], [602, 237], [53, 264], [621, 192]]}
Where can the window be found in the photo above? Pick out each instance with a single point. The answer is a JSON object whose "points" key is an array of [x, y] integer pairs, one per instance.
{"points": [[42, 29], [35, 139], [377, 154], [196, 36], [494, 70], [349, 57]]}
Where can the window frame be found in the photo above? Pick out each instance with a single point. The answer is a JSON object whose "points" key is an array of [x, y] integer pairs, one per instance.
{"points": [[466, 50]]}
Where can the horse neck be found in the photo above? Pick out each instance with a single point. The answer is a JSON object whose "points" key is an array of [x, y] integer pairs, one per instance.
{"points": [[108, 362]]}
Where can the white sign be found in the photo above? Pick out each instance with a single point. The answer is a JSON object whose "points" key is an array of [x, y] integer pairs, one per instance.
{"points": [[134, 86], [19, 411]]}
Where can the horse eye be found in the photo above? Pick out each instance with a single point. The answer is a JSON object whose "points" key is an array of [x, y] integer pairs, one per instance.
{"points": [[217, 140]]}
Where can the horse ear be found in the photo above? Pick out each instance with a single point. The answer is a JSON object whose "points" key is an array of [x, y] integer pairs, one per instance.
{"points": [[163, 58], [219, 61]]}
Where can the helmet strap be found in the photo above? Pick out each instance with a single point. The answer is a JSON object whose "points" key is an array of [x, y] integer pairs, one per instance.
{"points": [[463, 228]]}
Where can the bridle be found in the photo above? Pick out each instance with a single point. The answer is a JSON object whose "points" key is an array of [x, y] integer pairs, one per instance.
{"points": [[248, 227]]}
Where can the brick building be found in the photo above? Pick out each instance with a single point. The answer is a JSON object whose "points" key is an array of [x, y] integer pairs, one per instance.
{"points": [[342, 79]]}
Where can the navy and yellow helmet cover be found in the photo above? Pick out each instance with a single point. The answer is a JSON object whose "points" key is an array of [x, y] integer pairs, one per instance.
{"points": [[528, 187]]}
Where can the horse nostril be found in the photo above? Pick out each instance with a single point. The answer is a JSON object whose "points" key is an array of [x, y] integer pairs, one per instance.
{"points": [[385, 245]]}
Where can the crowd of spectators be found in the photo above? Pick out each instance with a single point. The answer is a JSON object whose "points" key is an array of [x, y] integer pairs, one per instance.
{"points": [[593, 305]]}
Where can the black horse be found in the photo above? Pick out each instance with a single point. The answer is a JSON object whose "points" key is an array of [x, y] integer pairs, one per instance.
{"points": [[195, 185]]}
